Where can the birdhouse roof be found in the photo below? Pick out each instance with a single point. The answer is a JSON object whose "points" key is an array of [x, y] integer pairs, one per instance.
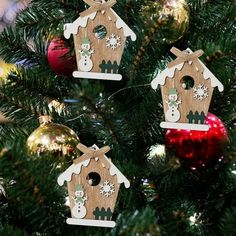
{"points": [[72, 28], [76, 169], [170, 73]]}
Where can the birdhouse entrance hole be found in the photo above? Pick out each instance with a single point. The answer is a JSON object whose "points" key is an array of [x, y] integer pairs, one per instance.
{"points": [[187, 82], [100, 31], [93, 178]]}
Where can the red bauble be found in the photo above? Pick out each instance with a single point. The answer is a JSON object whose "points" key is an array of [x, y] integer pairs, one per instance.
{"points": [[198, 148], [59, 59]]}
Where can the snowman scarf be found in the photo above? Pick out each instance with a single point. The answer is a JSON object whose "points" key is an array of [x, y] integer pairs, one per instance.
{"points": [[85, 53], [79, 199], [172, 103]]}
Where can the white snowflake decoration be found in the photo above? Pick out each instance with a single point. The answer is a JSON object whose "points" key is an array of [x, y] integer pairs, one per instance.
{"points": [[200, 92], [113, 41], [107, 188]]}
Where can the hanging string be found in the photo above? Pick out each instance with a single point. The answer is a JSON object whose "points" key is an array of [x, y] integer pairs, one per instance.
{"points": [[121, 90]]}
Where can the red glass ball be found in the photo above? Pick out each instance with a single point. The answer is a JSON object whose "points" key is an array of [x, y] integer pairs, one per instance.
{"points": [[59, 59], [198, 147]]}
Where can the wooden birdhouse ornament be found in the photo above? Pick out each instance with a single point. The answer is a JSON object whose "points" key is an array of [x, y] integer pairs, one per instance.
{"points": [[99, 38], [186, 87], [93, 183]]}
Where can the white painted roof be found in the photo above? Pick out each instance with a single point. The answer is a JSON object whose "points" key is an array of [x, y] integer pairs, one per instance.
{"points": [[76, 169], [170, 72], [72, 28]]}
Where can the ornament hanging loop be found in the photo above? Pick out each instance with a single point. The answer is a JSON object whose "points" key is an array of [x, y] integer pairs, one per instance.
{"points": [[183, 57], [97, 6], [90, 153], [93, 153], [45, 120]]}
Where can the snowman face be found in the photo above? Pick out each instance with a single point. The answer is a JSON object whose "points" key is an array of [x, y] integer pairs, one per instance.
{"points": [[85, 46], [79, 193], [173, 97]]}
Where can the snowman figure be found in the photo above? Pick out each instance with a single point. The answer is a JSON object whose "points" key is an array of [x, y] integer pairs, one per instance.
{"points": [[79, 211], [85, 63], [173, 114]]}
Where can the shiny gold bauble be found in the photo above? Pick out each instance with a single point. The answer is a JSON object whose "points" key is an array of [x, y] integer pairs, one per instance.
{"points": [[171, 15], [5, 69], [52, 139]]}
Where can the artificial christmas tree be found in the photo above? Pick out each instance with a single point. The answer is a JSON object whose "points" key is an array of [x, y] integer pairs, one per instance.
{"points": [[165, 197]]}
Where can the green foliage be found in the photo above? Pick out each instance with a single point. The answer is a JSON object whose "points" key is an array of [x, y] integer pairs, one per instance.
{"points": [[9, 230], [228, 222], [31, 194], [124, 115], [137, 223]]}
